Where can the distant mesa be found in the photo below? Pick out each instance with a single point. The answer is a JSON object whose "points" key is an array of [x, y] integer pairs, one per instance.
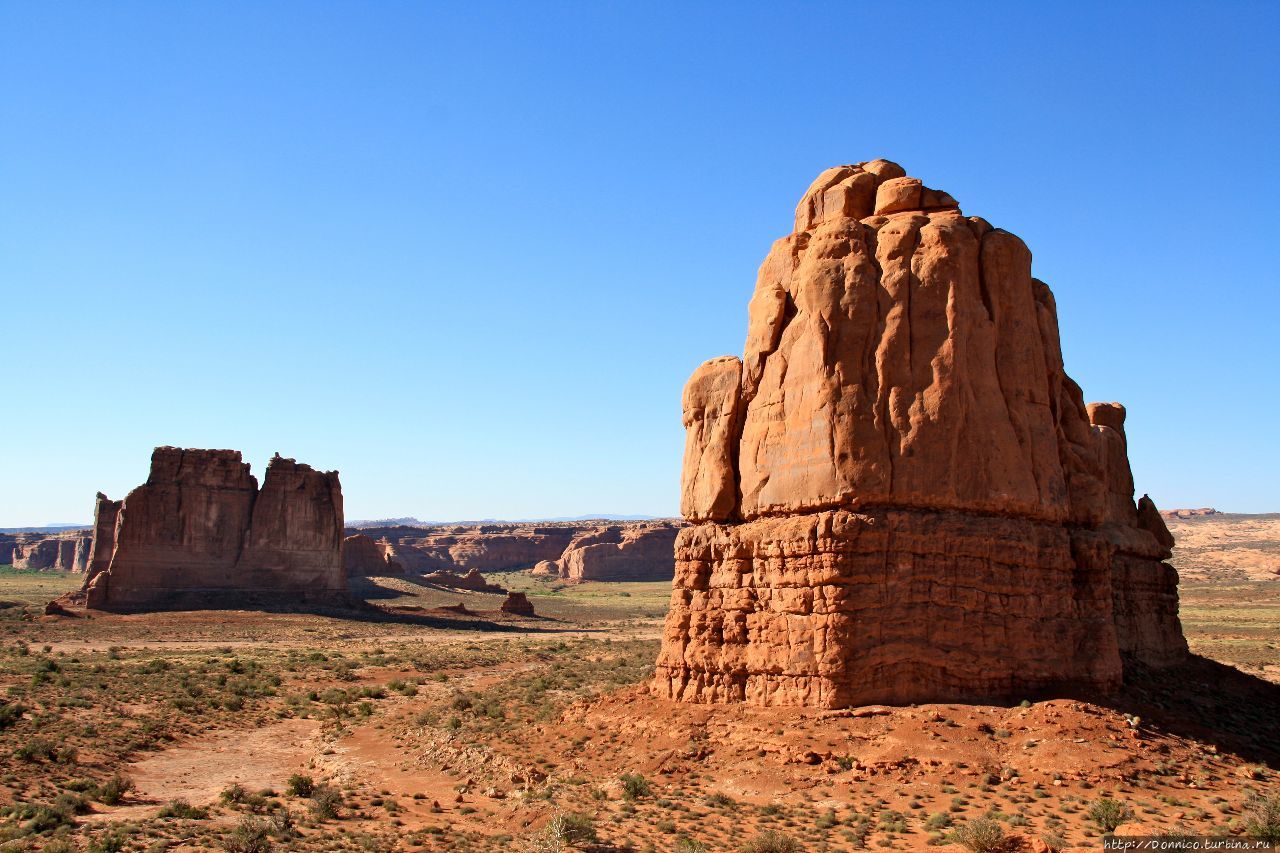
{"points": [[62, 551], [634, 551], [898, 494], [200, 533], [1189, 513]]}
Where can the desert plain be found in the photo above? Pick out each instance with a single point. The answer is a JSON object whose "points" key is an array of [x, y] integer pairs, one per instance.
{"points": [[407, 726]]}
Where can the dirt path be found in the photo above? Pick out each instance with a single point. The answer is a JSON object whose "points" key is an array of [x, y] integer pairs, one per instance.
{"points": [[199, 770]]}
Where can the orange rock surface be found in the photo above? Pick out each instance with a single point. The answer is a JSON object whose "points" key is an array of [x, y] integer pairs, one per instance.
{"points": [[901, 495]]}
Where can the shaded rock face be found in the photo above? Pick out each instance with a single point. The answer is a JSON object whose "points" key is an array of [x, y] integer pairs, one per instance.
{"points": [[900, 494], [363, 557], [62, 552], [644, 552], [200, 533], [517, 603]]}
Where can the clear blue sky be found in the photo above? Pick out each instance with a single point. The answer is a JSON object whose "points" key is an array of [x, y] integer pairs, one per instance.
{"points": [[468, 254]]}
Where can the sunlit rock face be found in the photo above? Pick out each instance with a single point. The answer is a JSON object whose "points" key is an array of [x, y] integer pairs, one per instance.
{"points": [[898, 493]]}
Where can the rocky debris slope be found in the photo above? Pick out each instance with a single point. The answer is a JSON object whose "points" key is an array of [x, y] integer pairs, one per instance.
{"points": [[899, 494], [65, 551], [639, 552], [364, 557], [200, 533]]}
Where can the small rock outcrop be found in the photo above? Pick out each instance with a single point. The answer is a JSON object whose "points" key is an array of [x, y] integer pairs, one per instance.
{"points": [[641, 552], [200, 533], [518, 604], [898, 493], [364, 557], [547, 569], [472, 581]]}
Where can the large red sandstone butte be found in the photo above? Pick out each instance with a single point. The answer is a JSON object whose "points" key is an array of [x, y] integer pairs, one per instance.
{"points": [[200, 533], [899, 494]]}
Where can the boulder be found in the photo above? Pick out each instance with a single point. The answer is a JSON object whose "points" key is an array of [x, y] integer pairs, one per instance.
{"points": [[518, 604], [899, 494], [547, 568], [472, 581]]}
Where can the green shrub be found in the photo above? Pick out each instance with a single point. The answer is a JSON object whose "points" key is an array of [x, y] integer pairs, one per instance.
{"points": [[180, 809], [572, 829], [111, 792], [325, 802], [1262, 818], [35, 749], [938, 821], [10, 713], [771, 841], [1108, 813], [982, 835], [301, 786], [634, 786], [250, 836]]}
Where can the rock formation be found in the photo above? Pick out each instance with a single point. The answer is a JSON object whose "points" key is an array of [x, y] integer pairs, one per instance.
{"points": [[546, 569], [518, 604], [641, 552], [200, 533], [65, 551], [488, 547], [899, 494], [472, 581], [364, 557]]}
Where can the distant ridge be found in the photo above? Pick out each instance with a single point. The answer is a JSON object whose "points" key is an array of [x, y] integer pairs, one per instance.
{"points": [[410, 521], [48, 528]]}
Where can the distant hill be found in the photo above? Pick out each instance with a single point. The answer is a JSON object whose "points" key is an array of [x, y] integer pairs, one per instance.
{"points": [[48, 528], [410, 521]]}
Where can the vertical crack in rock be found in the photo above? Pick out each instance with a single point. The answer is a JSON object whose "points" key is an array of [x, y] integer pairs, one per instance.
{"points": [[897, 494]]}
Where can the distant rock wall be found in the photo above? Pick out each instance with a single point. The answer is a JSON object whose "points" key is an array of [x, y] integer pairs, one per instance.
{"points": [[66, 551], [199, 533], [898, 493], [639, 552], [487, 548]]}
